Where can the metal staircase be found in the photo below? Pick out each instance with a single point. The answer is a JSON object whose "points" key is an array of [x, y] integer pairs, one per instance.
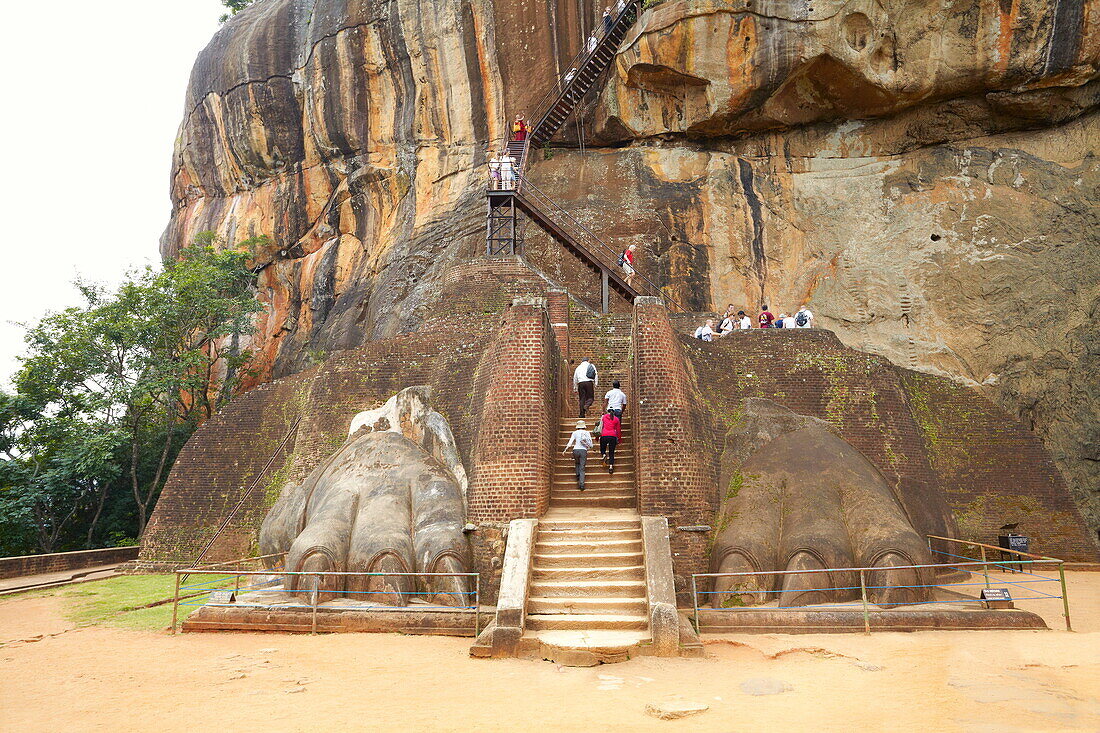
{"points": [[504, 230]]}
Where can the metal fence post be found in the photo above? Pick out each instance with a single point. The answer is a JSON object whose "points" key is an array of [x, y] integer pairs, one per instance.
{"points": [[985, 568], [695, 602], [477, 606], [866, 613], [1065, 595], [176, 603], [316, 599]]}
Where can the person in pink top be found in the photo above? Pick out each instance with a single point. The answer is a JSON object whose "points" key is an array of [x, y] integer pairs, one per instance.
{"points": [[611, 431]]}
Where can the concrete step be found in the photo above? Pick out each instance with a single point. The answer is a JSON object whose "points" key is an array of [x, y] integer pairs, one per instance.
{"points": [[594, 501], [575, 575], [585, 547], [548, 621], [588, 588], [588, 533], [552, 524], [588, 606], [587, 560], [589, 494]]}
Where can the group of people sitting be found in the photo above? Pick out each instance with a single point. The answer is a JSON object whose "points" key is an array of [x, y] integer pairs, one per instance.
{"points": [[609, 426], [739, 321]]}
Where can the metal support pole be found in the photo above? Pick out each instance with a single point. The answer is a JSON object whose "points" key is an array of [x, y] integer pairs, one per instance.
{"points": [[866, 613], [695, 602], [985, 568], [176, 602], [1065, 596], [316, 599], [605, 295], [477, 606]]}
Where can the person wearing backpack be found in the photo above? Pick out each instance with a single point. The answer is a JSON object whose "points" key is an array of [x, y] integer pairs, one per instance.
{"points": [[611, 432], [804, 318], [585, 380]]}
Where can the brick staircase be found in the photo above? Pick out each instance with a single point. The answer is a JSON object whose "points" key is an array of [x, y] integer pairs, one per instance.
{"points": [[588, 592]]}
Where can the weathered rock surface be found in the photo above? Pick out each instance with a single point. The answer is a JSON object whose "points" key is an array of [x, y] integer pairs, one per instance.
{"points": [[923, 175]]}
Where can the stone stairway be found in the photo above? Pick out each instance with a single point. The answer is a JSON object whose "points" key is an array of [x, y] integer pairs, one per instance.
{"points": [[602, 489], [587, 601]]}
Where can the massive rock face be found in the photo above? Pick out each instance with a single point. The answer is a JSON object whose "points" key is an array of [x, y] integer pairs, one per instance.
{"points": [[922, 174]]}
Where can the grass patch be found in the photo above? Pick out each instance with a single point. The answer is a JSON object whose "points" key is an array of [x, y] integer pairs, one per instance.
{"points": [[119, 602]]}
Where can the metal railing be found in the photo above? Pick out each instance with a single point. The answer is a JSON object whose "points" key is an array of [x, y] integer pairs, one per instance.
{"points": [[952, 592], [584, 236], [259, 585], [550, 99]]}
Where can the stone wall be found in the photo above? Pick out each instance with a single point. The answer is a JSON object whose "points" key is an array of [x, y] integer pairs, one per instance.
{"points": [[677, 476], [56, 562], [994, 470]]}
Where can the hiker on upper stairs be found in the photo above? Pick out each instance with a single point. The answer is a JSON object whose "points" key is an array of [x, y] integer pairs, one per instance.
{"points": [[607, 20], [585, 379], [615, 399], [506, 165], [494, 170], [580, 441], [610, 429], [626, 261], [519, 128]]}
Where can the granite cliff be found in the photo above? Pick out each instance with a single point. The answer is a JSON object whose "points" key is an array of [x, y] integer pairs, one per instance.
{"points": [[923, 174]]}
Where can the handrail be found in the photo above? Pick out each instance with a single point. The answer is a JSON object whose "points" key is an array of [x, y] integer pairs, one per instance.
{"points": [[995, 547], [656, 289], [548, 100]]}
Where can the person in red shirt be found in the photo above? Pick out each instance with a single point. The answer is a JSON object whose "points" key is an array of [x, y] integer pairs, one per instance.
{"points": [[627, 260], [611, 432], [519, 128], [766, 317]]}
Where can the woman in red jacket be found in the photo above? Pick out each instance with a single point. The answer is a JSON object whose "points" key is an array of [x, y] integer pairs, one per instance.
{"points": [[611, 431]]}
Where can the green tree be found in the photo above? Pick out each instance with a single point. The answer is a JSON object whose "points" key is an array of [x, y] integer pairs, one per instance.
{"points": [[141, 363], [235, 6]]}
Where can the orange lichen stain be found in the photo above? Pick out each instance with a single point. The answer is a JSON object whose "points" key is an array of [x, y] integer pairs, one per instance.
{"points": [[741, 49], [1004, 37]]}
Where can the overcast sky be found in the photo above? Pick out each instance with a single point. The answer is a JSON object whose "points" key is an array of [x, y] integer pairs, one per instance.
{"points": [[93, 97]]}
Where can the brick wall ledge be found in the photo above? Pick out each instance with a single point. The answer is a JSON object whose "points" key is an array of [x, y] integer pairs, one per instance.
{"points": [[17, 567]]}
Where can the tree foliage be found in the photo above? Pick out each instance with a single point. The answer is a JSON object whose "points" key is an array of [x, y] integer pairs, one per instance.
{"points": [[235, 6], [109, 390]]}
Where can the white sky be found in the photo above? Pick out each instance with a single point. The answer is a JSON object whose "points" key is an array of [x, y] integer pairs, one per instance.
{"points": [[93, 97]]}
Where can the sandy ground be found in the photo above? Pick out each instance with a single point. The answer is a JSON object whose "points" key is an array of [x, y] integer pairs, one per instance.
{"points": [[112, 679]]}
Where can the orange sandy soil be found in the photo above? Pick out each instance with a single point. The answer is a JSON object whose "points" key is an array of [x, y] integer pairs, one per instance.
{"points": [[102, 678]]}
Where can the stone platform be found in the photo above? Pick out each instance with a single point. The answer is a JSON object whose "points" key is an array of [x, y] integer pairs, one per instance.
{"points": [[934, 617]]}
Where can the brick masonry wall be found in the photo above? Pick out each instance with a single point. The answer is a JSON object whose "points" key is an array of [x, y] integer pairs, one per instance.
{"points": [[224, 457], [995, 471], [23, 565], [515, 443], [677, 476]]}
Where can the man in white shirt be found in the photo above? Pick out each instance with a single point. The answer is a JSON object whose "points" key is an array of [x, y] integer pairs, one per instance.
{"points": [[615, 400], [804, 318], [706, 332], [789, 322], [585, 379], [507, 166], [745, 323]]}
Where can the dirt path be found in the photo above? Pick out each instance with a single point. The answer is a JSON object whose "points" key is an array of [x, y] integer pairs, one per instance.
{"points": [[114, 679]]}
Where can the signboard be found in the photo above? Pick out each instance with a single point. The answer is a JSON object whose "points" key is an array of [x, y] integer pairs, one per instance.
{"points": [[996, 598], [221, 597]]}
